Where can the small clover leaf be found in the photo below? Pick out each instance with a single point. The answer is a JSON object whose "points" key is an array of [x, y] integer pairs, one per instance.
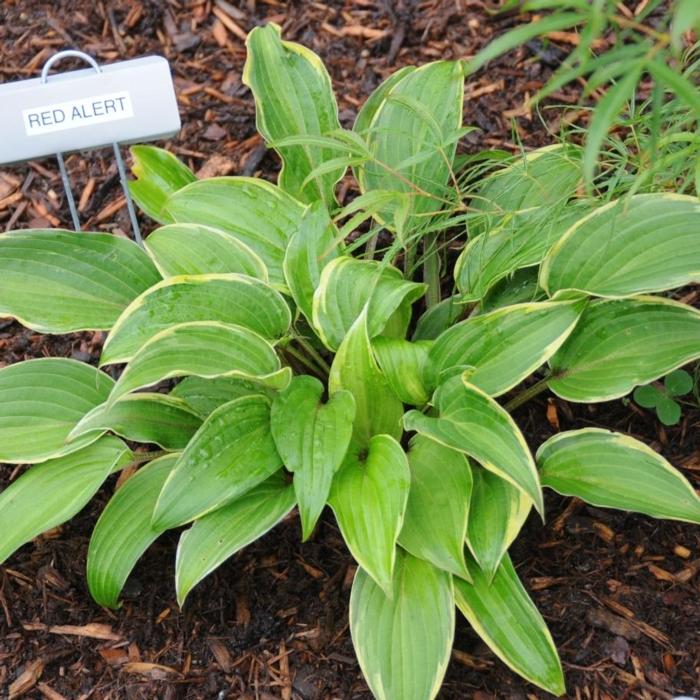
{"points": [[678, 383], [660, 396]]}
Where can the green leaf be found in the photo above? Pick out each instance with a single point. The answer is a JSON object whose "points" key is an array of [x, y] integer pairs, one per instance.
{"points": [[152, 418], [673, 80], [472, 422], [194, 249], [630, 246], [124, 532], [518, 288], [521, 35], [410, 140], [678, 383], [368, 498], [504, 616], [403, 641], [41, 401], [204, 396], [438, 318], [612, 470], [686, 17], [158, 175], [668, 411], [522, 240], [619, 344], [403, 363], [377, 410], [347, 285], [57, 281], [647, 396], [205, 350], [293, 96], [254, 211], [529, 185], [504, 346], [605, 115], [48, 494], [375, 100], [497, 513], [310, 249], [214, 538], [232, 299], [312, 439], [231, 453], [435, 523]]}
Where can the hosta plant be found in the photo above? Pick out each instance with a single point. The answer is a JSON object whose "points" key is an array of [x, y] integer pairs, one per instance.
{"points": [[273, 349]]}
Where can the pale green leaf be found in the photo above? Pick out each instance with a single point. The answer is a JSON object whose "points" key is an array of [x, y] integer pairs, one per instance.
{"points": [[310, 249], [217, 536], [496, 514], [152, 418], [158, 175], [312, 438], [41, 401], [347, 285], [471, 421], [435, 523], [293, 96], [57, 281], [204, 396], [438, 318], [418, 114], [48, 494], [521, 240], [375, 100], [503, 346], [645, 243], [231, 299], [539, 179], [231, 453], [377, 410], [403, 364], [124, 532], [256, 212], [612, 470], [204, 350], [403, 641], [619, 344], [504, 616], [195, 249], [368, 498], [518, 288]]}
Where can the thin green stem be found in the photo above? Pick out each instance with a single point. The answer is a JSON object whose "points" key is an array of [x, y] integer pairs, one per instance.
{"points": [[527, 394], [305, 361], [313, 353], [431, 273]]}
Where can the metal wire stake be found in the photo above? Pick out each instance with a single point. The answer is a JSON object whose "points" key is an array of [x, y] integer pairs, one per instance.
{"points": [[117, 153], [69, 192]]}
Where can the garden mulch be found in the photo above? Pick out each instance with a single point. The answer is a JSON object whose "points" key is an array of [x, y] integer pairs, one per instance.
{"points": [[620, 592]]}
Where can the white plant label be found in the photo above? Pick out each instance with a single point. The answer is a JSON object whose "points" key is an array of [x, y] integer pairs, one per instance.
{"points": [[87, 111], [124, 102]]}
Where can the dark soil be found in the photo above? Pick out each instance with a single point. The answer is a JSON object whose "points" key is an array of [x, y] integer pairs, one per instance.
{"points": [[620, 592]]}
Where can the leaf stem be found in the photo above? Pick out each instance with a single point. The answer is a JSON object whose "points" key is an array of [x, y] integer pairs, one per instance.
{"points": [[314, 354], [527, 394]]}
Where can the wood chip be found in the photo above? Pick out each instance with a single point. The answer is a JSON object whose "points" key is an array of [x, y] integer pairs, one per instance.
{"points": [[154, 671], [94, 630], [27, 679], [221, 654]]}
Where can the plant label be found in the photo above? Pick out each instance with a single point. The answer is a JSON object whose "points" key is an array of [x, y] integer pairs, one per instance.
{"points": [[123, 103]]}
